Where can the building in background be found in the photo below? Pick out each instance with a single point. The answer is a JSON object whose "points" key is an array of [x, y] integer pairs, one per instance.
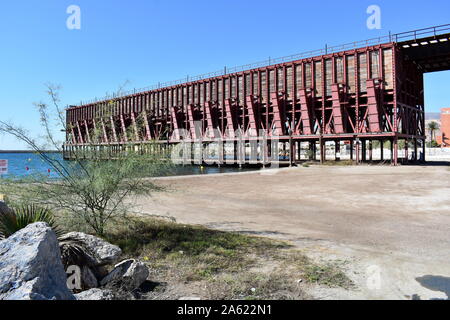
{"points": [[444, 138]]}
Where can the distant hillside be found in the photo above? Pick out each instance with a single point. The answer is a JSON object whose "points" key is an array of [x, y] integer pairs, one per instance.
{"points": [[432, 116]]}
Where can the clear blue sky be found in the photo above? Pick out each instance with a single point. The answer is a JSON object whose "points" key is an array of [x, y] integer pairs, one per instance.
{"points": [[147, 41]]}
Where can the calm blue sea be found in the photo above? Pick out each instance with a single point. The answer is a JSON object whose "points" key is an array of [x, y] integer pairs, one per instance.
{"points": [[23, 164]]}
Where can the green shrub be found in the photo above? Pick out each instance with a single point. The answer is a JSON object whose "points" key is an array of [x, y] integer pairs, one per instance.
{"points": [[19, 218], [433, 144]]}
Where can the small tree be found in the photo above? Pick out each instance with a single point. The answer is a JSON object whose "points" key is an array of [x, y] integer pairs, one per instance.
{"points": [[91, 187], [433, 126]]}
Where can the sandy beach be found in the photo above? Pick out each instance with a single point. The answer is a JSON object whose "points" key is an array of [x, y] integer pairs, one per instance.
{"points": [[389, 222]]}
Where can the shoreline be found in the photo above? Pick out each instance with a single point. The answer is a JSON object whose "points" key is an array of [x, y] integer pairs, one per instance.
{"points": [[27, 151], [220, 174]]}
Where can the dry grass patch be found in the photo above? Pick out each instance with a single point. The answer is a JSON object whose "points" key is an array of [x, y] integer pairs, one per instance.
{"points": [[226, 265], [339, 163]]}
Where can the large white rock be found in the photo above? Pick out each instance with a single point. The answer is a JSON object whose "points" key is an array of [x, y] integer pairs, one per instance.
{"points": [[102, 252], [128, 275], [96, 294], [31, 267]]}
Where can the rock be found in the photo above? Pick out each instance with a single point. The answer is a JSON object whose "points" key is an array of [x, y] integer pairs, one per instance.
{"points": [[88, 278], [128, 274], [5, 209], [104, 294], [96, 294], [102, 252], [31, 267]]}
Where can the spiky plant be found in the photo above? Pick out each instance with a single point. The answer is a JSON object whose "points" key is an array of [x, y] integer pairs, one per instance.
{"points": [[20, 217], [8, 222], [74, 252]]}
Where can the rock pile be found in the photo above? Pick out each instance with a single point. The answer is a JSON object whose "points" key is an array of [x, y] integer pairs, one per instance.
{"points": [[33, 265]]}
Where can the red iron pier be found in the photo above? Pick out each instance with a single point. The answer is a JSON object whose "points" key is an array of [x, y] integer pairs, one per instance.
{"points": [[349, 95]]}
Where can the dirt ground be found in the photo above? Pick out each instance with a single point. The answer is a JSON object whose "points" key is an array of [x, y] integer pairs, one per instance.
{"points": [[389, 225]]}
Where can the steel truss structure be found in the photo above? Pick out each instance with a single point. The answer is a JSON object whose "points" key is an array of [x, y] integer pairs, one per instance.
{"points": [[357, 96]]}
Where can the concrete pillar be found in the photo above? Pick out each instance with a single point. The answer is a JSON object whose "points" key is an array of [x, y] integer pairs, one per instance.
{"points": [[337, 149], [264, 151], [322, 150], [313, 148], [358, 143], [221, 147], [253, 150], [391, 146], [241, 151], [395, 151], [291, 152], [351, 149], [363, 150], [415, 150], [423, 150], [406, 151]]}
